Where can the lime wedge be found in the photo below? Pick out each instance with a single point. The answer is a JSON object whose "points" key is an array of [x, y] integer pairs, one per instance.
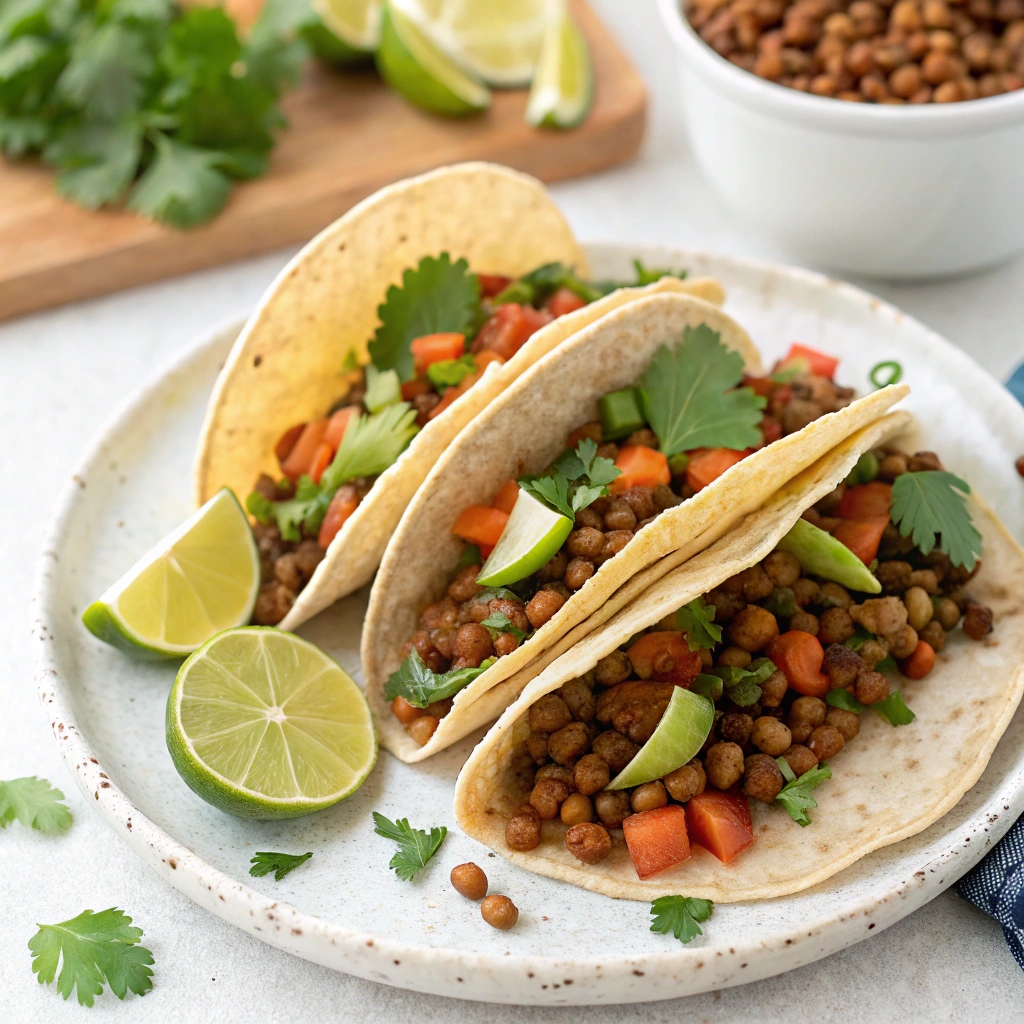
{"points": [[413, 65], [263, 724], [820, 553], [531, 537], [198, 580], [354, 23], [563, 87], [680, 734]]}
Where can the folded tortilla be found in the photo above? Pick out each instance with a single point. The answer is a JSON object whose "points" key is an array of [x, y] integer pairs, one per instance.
{"points": [[522, 432], [287, 365]]}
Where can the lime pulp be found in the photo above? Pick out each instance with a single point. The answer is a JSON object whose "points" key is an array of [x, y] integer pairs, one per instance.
{"points": [[563, 86], [354, 23]]}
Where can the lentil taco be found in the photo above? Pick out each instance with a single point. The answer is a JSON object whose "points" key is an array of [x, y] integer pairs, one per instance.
{"points": [[653, 431], [374, 347], [663, 752]]}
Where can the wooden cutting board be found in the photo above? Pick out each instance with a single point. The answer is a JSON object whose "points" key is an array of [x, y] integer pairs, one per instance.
{"points": [[349, 136]]}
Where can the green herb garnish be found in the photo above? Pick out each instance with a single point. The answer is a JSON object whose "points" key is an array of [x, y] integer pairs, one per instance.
{"points": [[743, 685], [536, 287], [449, 373], [576, 480], [382, 388], [795, 796], [497, 622], [886, 373], [680, 915], [35, 804], [894, 710], [420, 686], [709, 686], [697, 621], [649, 275], [845, 700], [278, 863], [932, 503], [415, 847]]}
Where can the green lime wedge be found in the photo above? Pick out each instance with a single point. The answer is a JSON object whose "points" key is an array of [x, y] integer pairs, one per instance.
{"points": [[680, 734], [563, 87], [822, 555], [354, 26], [531, 537], [413, 65], [199, 580], [263, 724]]}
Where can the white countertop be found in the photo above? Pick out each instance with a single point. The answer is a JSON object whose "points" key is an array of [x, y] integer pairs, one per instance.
{"points": [[61, 375]]}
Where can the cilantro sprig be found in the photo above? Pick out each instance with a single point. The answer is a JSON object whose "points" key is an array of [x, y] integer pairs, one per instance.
{"points": [[743, 685], [280, 864], [893, 709], [697, 621], [795, 796], [577, 479], [421, 686], [498, 622], [681, 916], [96, 948], [931, 507], [35, 804], [415, 847]]}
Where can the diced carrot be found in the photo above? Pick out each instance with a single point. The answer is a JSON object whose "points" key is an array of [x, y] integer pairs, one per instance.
{"points": [[480, 525], [286, 442], [342, 505], [563, 301], [763, 386], [484, 359], [720, 822], [436, 348], [920, 663], [708, 464], [405, 712], [822, 364], [300, 458], [641, 467], [452, 394], [656, 839], [862, 536], [414, 387], [865, 501], [666, 657], [505, 499], [509, 329], [799, 656], [492, 284], [322, 459], [338, 424]]}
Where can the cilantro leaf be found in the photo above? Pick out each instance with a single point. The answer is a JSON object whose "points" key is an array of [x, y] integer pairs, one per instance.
{"points": [[649, 275], [278, 863], [598, 470], [436, 296], [536, 287], [96, 161], [449, 373], [680, 915], [894, 710], [382, 388], [795, 796], [933, 502], [35, 804], [498, 622], [693, 400], [697, 621], [97, 948], [576, 479], [421, 686], [554, 490], [415, 847], [18, 135], [743, 685], [845, 700], [371, 444], [104, 76]]}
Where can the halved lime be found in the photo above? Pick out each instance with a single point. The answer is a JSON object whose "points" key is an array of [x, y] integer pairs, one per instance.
{"points": [[680, 734], [355, 23], [531, 537], [822, 555], [263, 724], [201, 578], [563, 87], [415, 66]]}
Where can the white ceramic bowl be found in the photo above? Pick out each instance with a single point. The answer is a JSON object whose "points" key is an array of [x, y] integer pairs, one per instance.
{"points": [[885, 191]]}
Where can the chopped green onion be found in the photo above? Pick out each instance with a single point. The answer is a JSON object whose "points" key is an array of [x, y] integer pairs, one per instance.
{"points": [[865, 471], [878, 375]]}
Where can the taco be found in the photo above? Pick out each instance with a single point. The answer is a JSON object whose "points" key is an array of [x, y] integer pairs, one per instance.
{"points": [[662, 753], [653, 432], [373, 348]]}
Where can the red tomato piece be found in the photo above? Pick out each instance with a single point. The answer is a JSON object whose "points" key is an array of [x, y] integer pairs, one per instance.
{"points": [[708, 464], [862, 536], [563, 301], [666, 657], [920, 663], [657, 839], [492, 284], [286, 442], [509, 328], [763, 386], [417, 386], [866, 501], [720, 822], [341, 507], [505, 499], [480, 524], [799, 656], [338, 424], [822, 364], [300, 458], [321, 460], [436, 348], [641, 467]]}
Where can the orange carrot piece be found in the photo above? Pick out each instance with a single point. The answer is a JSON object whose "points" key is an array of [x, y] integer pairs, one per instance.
{"points": [[641, 467], [321, 460], [485, 358], [300, 458], [417, 386], [720, 822], [865, 501], [822, 364], [436, 348], [666, 657], [920, 663], [862, 536], [657, 839], [338, 424], [799, 655], [341, 507], [708, 464], [286, 442], [451, 395], [481, 525], [505, 499]]}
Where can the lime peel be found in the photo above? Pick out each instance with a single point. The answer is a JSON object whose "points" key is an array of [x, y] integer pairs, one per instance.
{"points": [[563, 86]]}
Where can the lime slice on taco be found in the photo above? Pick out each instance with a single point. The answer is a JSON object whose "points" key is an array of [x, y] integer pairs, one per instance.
{"points": [[532, 535]]}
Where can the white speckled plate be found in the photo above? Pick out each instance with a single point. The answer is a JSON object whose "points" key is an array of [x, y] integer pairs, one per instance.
{"points": [[344, 908]]}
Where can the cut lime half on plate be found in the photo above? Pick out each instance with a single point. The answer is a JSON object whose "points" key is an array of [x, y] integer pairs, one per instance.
{"points": [[200, 579], [563, 87], [356, 23], [678, 738], [531, 537], [263, 724]]}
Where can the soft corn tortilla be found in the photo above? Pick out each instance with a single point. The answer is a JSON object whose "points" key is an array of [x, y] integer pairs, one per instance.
{"points": [[287, 364], [523, 431], [888, 783]]}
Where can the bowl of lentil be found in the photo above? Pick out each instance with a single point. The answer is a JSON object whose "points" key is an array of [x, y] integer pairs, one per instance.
{"points": [[878, 138]]}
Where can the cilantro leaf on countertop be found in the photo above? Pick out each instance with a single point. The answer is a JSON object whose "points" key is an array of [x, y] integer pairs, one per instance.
{"points": [[795, 796], [436, 296], [97, 948], [680, 915], [420, 686], [415, 847], [35, 804], [692, 396], [577, 479], [697, 621], [278, 863], [933, 502]]}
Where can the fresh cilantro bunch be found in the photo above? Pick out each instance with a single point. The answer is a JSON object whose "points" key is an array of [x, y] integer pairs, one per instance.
{"points": [[135, 101], [576, 480], [421, 686], [415, 847], [795, 796], [35, 804], [680, 915]]}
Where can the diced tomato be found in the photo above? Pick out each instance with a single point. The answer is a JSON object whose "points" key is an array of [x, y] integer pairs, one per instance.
{"points": [[338, 424], [286, 442], [708, 464], [822, 364], [322, 459], [509, 329], [406, 712], [484, 359], [505, 499], [452, 394], [656, 839], [485, 550], [480, 524], [417, 386], [300, 458], [666, 657], [799, 656], [862, 536], [492, 284], [641, 467], [565, 300], [866, 501], [771, 429], [920, 663], [342, 505], [436, 348], [763, 386], [720, 822]]}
